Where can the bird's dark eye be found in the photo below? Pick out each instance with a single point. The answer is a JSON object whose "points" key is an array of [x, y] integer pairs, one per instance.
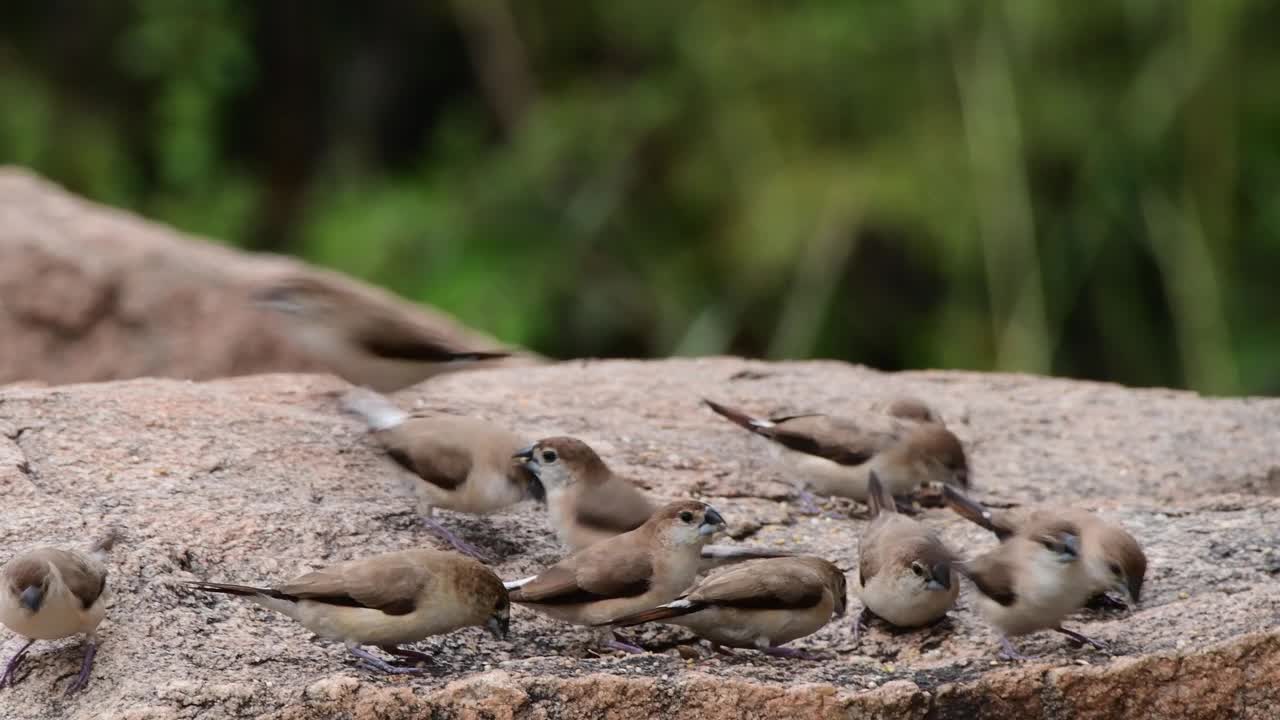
{"points": [[548, 456], [918, 569], [1114, 568], [686, 516]]}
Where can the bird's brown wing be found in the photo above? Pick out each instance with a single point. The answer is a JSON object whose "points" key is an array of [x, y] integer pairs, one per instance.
{"points": [[84, 577], [614, 505], [836, 440], [601, 572], [764, 585], [390, 583], [427, 448], [390, 336], [992, 574], [868, 556]]}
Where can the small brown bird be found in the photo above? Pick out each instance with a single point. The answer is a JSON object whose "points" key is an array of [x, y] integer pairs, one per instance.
{"points": [[364, 338], [386, 601], [905, 573], [1031, 582], [587, 502], [835, 456], [49, 593], [634, 571], [1113, 558], [760, 604], [462, 464]]}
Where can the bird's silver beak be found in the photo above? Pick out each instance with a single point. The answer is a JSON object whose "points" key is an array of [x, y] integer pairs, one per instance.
{"points": [[498, 627], [525, 456], [32, 598], [1121, 588], [1071, 543], [712, 523], [940, 577]]}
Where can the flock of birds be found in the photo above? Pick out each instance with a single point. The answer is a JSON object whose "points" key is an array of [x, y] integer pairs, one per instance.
{"points": [[629, 560]]}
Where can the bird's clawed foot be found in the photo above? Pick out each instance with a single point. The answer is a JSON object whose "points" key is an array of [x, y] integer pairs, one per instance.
{"points": [[1010, 653], [625, 647], [456, 542], [1105, 602], [86, 667], [409, 657], [374, 662], [860, 623], [791, 653], [9, 677], [808, 503], [1083, 639]]}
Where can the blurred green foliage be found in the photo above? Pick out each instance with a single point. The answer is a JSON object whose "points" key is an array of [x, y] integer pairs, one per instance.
{"points": [[1084, 189]]}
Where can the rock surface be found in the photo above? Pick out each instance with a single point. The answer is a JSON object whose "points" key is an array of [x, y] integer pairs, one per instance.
{"points": [[89, 293], [255, 479]]}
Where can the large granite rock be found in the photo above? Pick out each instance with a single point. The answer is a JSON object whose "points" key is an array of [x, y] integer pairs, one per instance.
{"points": [[259, 478], [89, 293]]}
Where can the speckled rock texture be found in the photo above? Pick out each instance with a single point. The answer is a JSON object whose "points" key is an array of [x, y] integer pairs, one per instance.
{"points": [[88, 293], [256, 479]]}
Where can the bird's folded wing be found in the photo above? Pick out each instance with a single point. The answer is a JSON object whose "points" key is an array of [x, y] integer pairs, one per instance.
{"points": [[588, 577], [431, 457], [83, 576], [827, 437], [390, 584], [762, 586], [992, 574], [389, 336]]}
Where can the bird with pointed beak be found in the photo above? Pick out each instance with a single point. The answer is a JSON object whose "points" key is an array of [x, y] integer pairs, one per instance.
{"points": [[387, 601], [49, 593], [461, 464], [587, 502], [831, 455], [1032, 581], [1112, 557], [624, 574], [905, 574], [760, 604]]}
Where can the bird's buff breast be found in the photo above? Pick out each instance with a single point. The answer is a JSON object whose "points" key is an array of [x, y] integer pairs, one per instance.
{"points": [[60, 616], [902, 599], [757, 628], [478, 495], [374, 627], [1045, 595], [824, 476]]}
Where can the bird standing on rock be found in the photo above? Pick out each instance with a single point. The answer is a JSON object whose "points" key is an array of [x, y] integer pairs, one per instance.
{"points": [[634, 571], [760, 604], [1031, 582], [48, 593], [835, 456], [1112, 557], [386, 601], [905, 574], [462, 464], [587, 502]]}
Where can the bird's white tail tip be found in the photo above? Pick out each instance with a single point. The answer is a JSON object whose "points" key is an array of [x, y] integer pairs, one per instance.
{"points": [[378, 412]]}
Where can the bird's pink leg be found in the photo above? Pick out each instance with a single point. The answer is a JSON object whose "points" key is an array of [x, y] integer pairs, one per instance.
{"points": [[86, 667], [12, 668]]}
